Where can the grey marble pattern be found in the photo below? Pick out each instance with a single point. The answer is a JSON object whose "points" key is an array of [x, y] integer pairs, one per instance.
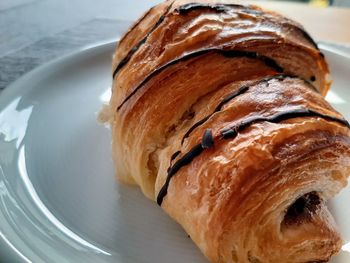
{"points": [[15, 64], [8, 4], [33, 32], [12, 68], [30, 22]]}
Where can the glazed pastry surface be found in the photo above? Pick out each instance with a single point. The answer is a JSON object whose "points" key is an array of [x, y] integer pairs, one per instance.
{"points": [[218, 114]]}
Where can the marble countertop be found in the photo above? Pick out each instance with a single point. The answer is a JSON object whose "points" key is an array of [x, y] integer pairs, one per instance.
{"points": [[33, 32]]}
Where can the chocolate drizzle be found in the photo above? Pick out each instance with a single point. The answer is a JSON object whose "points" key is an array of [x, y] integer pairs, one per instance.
{"points": [[220, 8], [136, 24], [308, 37], [184, 9], [232, 132], [175, 155], [172, 158], [126, 59], [207, 139], [227, 53], [237, 93], [218, 108], [185, 160]]}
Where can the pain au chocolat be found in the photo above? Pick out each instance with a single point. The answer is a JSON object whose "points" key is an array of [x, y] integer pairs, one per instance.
{"points": [[218, 114]]}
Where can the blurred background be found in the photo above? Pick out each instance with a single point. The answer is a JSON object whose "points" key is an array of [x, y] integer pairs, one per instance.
{"points": [[324, 2], [33, 32]]}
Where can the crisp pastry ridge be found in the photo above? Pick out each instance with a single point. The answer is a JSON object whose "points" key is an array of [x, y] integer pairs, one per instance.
{"points": [[218, 114]]}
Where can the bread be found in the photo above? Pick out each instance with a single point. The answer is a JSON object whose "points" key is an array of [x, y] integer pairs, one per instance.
{"points": [[218, 114]]}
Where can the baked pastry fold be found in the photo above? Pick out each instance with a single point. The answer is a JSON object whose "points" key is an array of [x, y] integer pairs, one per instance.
{"points": [[218, 114]]}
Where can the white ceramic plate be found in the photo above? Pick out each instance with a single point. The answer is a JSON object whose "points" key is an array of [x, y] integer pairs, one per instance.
{"points": [[59, 200]]}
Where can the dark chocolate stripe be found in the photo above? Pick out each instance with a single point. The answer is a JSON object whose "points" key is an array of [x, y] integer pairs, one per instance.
{"points": [[175, 154], [227, 53], [232, 132], [207, 139], [228, 98], [126, 59], [237, 93], [308, 37], [218, 108], [186, 159], [136, 24], [184, 9], [181, 10]]}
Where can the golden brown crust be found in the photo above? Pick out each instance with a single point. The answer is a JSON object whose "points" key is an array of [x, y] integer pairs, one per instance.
{"points": [[137, 32], [218, 113], [224, 195], [202, 28]]}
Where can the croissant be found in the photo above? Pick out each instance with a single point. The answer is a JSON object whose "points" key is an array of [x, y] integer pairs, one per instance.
{"points": [[218, 114]]}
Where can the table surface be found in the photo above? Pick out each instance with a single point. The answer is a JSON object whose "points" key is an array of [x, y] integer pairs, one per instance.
{"points": [[33, 32]]}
